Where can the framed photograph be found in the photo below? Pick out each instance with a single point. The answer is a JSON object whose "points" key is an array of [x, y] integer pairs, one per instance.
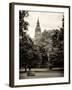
{"points": [[39, 44]]}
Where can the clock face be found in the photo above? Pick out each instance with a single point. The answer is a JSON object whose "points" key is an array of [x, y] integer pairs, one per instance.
{"points": [[38, 32]]}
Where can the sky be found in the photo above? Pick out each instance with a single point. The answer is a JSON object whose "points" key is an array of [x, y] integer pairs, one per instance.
{"points": [[48, 21]]}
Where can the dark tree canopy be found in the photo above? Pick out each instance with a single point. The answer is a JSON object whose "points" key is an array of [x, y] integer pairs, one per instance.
{"points": [[23, 25], [29, 57], [48, 52]]}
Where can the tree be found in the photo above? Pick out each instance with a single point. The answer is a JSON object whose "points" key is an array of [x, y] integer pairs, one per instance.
{"points": [[23, 27], [53, 42], [45, 46], [29, 57], [25, 51], [57, 58], [36, 60]]}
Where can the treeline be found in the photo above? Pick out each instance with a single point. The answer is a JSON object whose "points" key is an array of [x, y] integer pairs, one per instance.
{"points": [[53, 43], [50, 49]]}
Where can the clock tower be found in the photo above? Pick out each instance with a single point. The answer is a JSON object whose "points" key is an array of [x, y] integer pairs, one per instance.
{"points": [[37, 32]]}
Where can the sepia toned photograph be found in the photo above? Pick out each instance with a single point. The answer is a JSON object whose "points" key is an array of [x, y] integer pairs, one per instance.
{"points": [[41, 44]]}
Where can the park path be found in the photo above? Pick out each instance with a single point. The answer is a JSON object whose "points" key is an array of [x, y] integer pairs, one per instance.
{"points": [[42, 73], [42, 69]]}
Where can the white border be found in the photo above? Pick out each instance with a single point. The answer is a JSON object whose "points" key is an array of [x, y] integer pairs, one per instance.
{"points": [[16, 44]]}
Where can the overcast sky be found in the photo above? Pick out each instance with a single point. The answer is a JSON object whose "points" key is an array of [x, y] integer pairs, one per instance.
{"points": [[47, 21]]}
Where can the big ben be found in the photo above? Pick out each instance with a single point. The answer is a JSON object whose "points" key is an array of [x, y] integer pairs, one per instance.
{"points": [[37, 32]]}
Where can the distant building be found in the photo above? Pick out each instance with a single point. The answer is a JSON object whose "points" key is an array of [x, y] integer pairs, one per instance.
{"points": [[37, 32]]}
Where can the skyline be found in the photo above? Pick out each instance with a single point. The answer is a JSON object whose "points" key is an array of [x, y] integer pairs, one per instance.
{"points": [[47, 20]]}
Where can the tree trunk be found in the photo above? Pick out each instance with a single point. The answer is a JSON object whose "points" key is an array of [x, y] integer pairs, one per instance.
{"points": [[29, 68], [25, 69]]}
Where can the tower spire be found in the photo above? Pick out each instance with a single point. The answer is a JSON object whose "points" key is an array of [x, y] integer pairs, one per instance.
{"points": [[38, 22], [37, 32]]}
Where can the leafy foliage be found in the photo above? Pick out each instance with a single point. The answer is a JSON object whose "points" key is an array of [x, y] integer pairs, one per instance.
{"points": [[52, 41], [29, 57], [48, 52]]}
